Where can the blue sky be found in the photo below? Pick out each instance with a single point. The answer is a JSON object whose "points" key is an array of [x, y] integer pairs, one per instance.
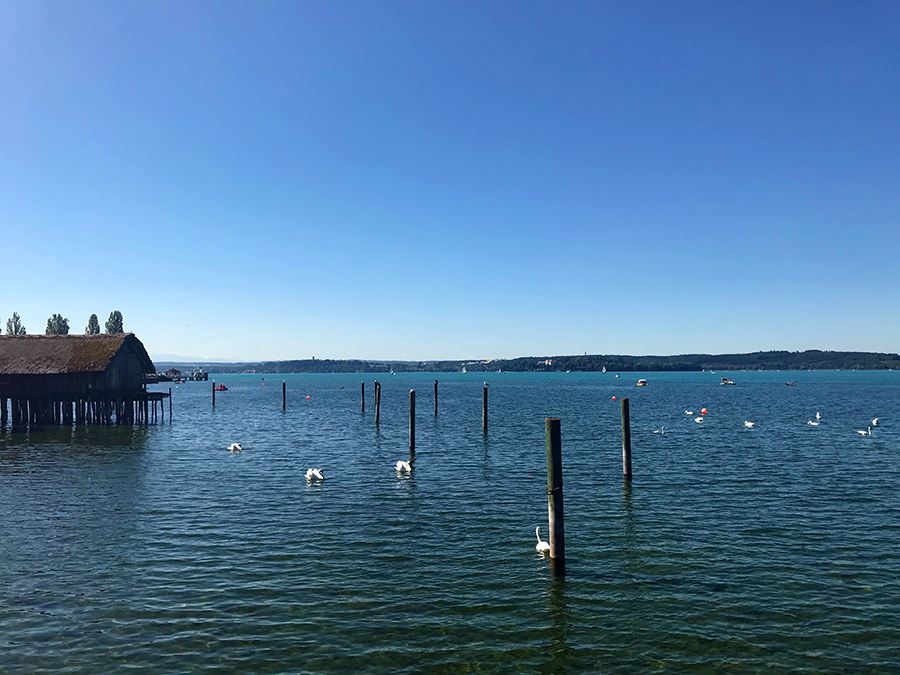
{"points": [[419, 180]]}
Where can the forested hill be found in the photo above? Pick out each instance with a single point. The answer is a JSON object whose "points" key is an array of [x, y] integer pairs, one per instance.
{"points": [[778, 360]]}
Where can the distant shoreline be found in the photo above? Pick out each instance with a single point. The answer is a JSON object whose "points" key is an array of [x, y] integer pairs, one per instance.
{"points": [[766, 361]]}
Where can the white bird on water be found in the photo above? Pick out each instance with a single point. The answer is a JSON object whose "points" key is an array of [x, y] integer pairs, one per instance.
{"points": [[865, 433], [688, 412], [660, 431], [818, 416], [813, 424], [749, 425], [314, 475], [542, 546], [875, 422], [235, 448], [698, 419], [403, 467]]}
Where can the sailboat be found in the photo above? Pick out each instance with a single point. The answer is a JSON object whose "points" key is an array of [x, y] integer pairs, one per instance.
{"points": [[604, 369]]}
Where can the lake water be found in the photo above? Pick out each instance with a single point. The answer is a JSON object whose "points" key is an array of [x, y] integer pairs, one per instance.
{"points": [[775, 548]]}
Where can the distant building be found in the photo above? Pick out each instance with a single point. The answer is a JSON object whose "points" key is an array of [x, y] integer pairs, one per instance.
{"points": [[174, 373]]}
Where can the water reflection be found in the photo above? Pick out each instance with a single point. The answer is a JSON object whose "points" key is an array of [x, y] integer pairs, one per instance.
{"points": [[560, 654]]}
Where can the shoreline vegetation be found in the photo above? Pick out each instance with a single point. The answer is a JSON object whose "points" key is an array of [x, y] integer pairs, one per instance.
{"points": [[774, 360]]}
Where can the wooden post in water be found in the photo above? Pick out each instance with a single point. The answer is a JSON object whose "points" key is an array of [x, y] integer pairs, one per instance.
{"points": [[170, 405], [283, 395], [362, 395], [412, 421], [557, 536], [214, 393], [626, 439], [435, 397], [377, 402], [484, 407]]}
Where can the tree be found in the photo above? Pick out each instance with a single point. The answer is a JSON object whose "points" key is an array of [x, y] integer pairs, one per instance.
{"points": [[93, 327], [14, 325], [57, 325], [114, 322]]}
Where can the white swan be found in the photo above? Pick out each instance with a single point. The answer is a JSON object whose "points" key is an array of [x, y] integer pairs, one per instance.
{"points": [[660, 431], [749, 425], [865, 433], [235, 448], [314, 475], [813, 424], [403, 467], [688, 412], [698, 419], [542, 546]]}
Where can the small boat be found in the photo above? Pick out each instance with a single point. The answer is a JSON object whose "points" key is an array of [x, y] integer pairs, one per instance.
{"points": [[221, 387], [725, 380], [642, 383], [791, 384]]}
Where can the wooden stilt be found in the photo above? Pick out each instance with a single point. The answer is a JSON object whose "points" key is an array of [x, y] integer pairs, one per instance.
{"points": [[557, 535]]}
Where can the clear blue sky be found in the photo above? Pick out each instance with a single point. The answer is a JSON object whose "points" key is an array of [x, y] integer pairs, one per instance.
{"points": [[418, 180]]}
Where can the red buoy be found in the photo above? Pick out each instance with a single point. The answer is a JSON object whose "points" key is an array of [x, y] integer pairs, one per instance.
{"points": [[614, 398], [703, 411], [307, 398]]}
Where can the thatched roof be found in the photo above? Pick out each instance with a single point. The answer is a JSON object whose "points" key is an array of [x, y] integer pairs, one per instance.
{"points": [[54, 354]]}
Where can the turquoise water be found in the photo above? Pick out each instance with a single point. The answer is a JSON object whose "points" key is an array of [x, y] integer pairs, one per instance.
{"points": [[775, 548]]}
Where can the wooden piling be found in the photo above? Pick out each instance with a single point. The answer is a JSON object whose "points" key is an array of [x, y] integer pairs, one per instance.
{"points": [[170, 405], [626, 439], [214, 393], [484, 409], [3, 413], [412, 421], [362, 396], [283, 395], [435, 397], [377, 402], [557, 536]]}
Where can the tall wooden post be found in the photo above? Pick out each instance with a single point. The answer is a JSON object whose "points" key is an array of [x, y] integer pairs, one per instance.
{"points": [[214, 393], [377, 402], [412, 420], [555, 494], [283, 395], [484, 409], [362, 395], [3, 412], [170, 405], [435, 397], [626, 439]]}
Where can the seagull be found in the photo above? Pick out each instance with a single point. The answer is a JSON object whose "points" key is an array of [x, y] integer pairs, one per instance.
{"points": [[688, 412], [542, 546], [403, 467], [818, 416], [235, 448], [875, 422], [314, 475], [813, 424], [486, 384], [660, 431], [698, 419], [749, 425], [865, 433]]}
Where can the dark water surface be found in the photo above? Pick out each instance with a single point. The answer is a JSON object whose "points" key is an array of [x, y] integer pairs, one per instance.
{"points": [[775, 548]]}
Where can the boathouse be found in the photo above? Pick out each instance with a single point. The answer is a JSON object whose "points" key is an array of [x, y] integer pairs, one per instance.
{"points": [[80, 379]]}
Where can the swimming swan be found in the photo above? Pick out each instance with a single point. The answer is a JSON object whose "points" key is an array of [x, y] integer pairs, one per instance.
{"points": [[235, 448], [813, 424], [865, 433], [403, 467], [660, 431], [749, 425], [314, 475], [698, 419], [542, 546]]}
